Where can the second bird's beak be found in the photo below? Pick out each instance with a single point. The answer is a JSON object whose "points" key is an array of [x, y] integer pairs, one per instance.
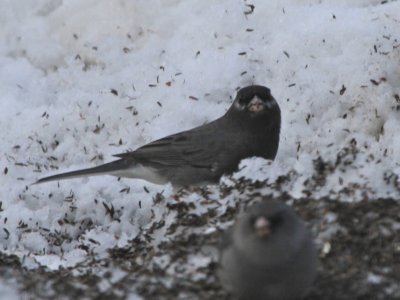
{"points": [[262, 227], [255, 104]]}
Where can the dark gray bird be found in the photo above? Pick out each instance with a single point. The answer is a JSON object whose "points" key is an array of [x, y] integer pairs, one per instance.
{"points": [[268, 254], [203, 154]]}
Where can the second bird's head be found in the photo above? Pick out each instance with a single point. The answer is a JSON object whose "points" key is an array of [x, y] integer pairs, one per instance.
{"points": [[269, 229]]}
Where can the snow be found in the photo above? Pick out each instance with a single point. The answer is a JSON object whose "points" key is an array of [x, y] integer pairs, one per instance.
{"points": [[8, 289], [81, 81], [374, 279]]}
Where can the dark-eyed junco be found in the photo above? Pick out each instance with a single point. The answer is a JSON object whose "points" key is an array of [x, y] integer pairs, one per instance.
{"points": [[203, 154], [268, 254]]}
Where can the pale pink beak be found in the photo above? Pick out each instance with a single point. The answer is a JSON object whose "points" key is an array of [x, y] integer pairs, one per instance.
{"points": [[262, 227], [255, 105]]}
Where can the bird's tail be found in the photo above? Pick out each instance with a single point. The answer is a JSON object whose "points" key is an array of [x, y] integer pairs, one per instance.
{"points": [[110, 168]]}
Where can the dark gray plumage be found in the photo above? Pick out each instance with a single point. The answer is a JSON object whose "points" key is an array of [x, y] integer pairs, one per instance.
{"points": [[202, 155], [268, 254]]}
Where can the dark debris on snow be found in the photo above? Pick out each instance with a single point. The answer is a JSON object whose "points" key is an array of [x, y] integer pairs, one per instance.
{"points": [[359, 245]]}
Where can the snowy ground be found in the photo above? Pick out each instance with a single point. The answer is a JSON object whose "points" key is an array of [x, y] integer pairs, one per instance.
{"points": [[81, 81]]}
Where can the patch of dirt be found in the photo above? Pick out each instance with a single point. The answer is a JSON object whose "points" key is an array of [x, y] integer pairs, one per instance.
{"points": [[359, 245]]}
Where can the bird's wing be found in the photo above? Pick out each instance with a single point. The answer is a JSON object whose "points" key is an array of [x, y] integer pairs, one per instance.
{"points": [[195, 147]]}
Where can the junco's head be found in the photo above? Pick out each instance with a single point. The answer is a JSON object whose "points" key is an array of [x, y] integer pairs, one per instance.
{"points": [[255, 101]]}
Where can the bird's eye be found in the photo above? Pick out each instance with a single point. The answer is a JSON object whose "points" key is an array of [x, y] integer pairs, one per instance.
{"points": [[276, 219], [242, 101]]}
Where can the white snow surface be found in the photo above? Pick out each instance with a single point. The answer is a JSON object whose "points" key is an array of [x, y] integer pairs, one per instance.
{"points": [[83, 80], [8, 289]]}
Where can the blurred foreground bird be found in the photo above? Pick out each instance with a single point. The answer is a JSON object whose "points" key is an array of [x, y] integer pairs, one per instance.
{"points": [[268, 254], [203, 154]]}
